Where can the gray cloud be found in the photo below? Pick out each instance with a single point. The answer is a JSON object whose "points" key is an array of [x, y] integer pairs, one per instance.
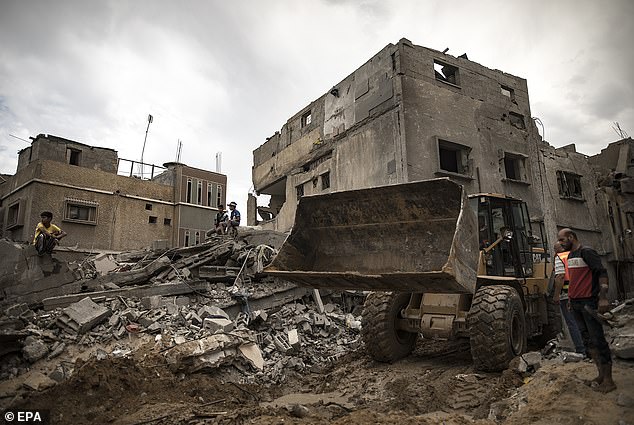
{"points": [[223, 76]]}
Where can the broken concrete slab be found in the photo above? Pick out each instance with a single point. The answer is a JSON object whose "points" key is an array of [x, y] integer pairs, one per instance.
{"points": [[623, 346], [82, 316], [205, 353], [218, 273], [34, 349], [252, 353], [213, 312], [530, 362], [214, 325], [37, 381], [137, 291], [104, 264]]}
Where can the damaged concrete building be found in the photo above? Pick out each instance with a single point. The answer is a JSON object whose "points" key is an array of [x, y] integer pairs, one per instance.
{"points": [[101, 209], [413, 113]]}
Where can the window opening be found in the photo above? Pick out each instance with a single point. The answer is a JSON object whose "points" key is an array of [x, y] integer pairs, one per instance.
{"points": [[517, 120], [300, 190], [186, 237], [167, 221], [307, 118], [148, 207], [80, 211], [73, 156], [569, 185], [514, 167], [453, 157], [508, 92], [325, 181], [445, 72], [152, 219], [189, 191]]}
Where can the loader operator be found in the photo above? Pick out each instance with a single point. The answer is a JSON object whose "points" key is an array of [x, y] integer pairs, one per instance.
{"points": [[587, 296]]}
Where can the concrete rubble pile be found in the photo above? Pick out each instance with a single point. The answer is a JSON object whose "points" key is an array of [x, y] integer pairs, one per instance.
{"points": [[214, 308], [619, 328]]}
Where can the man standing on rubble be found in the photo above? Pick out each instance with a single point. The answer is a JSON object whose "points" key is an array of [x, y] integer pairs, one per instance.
{"points": [[587, 297], [47, 235]]}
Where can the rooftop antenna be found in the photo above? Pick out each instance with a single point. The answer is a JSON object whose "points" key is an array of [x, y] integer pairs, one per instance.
{"points": [[150, 118], [19, 138], [179, 148], [218, 162], [617, 129]]}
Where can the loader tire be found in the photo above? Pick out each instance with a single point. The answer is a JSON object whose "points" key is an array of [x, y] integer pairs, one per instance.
{"points": [[384, 342], [553, 327], [497, 327]]}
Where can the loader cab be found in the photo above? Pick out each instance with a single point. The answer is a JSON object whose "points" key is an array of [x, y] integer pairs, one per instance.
{"points": [[505, 218]]}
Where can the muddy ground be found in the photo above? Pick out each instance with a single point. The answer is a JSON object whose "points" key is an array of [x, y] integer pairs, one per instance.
{"points": [[436, 384]]}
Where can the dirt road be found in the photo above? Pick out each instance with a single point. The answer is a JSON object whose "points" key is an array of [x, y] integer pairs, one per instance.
{"points": [[434, 385]]}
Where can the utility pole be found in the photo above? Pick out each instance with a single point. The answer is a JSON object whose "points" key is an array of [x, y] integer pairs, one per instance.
{"points": [[150, 118]]}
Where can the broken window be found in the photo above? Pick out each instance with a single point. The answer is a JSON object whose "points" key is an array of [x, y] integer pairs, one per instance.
{"points": [[80, 211], [167, 221], [188, 198], [209, 194], [453, 157], [196, 238], [508, 92], [300, 190], [219, 196], [517, 120], [325, 181], [447, 73], [307, 118], [569, 185], [73, 156], [152, 219], [514, 167], [186, 237], [199, 193], [148, 207]]}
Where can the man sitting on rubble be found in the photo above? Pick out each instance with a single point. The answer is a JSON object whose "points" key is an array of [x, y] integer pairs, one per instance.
{"points": [[47, 235], [221, 218], [234, 218]]}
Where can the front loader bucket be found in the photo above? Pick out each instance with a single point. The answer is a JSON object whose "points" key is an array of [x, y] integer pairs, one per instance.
{"points": [[419, 236]]}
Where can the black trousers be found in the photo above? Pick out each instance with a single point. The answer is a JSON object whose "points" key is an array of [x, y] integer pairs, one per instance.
{"points": [[44, 244], [591, 329]]}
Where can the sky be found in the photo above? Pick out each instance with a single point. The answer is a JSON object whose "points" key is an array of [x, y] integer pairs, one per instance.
{"points": [[223, 76]]}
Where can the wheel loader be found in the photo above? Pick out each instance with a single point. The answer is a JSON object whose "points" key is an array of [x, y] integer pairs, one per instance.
{"points": [[437, 263]]}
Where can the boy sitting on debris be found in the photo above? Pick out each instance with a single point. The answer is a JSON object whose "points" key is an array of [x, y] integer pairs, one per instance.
{"points": [[221, 218], [234, 218], [47, 235]]}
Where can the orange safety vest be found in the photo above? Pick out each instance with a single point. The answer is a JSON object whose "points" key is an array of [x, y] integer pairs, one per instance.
{"points": [[563, 256]]}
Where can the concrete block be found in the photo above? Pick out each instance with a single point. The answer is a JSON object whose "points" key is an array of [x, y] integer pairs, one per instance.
{"points": [[214, 325], [37, 381], [154, 328], [104, 264], [34, 349], [530, 362], [281, 344], [293, 339], [623, 346], [182, 301], [252, 353], [82, 316], [213, 312], [151, 302]]}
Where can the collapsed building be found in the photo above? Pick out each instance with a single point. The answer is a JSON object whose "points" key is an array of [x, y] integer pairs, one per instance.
{"points": [[413, 113], [100, 208]]}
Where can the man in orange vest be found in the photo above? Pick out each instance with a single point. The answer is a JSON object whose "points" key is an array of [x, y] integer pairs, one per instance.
{"points": [[560, 296], [587, 296]]}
